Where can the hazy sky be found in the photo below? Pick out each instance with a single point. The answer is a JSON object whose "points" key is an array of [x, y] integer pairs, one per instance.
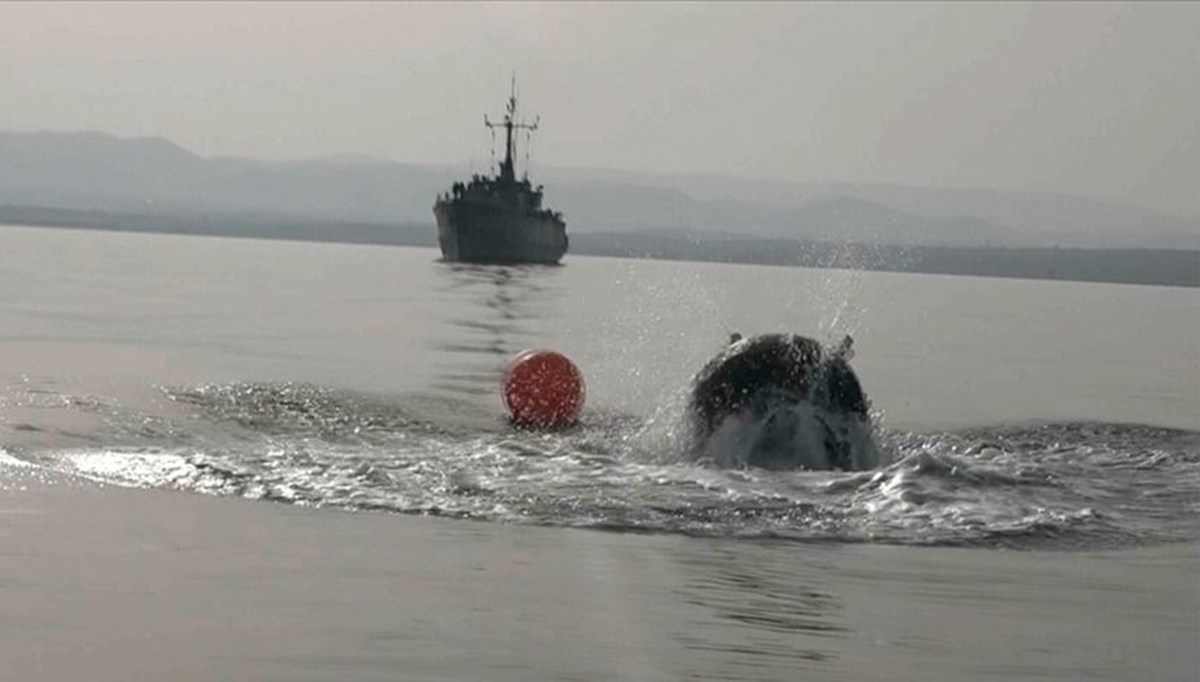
{"points": [[1095, 99]]}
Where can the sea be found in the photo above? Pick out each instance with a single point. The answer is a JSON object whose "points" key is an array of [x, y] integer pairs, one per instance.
{"points": [[1033, 511]]}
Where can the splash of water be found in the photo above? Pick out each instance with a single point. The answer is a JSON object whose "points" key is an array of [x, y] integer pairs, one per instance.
{"points": [[1054, 485], [794, 437]]}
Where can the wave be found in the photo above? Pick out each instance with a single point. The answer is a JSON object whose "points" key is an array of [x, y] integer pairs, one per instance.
{"points": [[1052, 485]]}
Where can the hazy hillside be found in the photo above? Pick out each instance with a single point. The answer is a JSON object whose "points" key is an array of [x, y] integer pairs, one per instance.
{"points": [[1030, 217], [94, 171], [98, 172]]}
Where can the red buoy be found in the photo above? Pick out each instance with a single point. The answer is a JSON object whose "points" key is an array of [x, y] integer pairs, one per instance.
{"points": [[543, 389]]}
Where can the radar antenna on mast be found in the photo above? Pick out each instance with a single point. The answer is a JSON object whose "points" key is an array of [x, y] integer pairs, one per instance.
{"points": [[511, 123]]}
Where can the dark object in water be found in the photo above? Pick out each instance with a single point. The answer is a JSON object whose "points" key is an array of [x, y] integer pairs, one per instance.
{"points": [[754, 377], [497, 220]]}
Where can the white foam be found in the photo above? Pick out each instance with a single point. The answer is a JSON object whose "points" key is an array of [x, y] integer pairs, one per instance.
{"points": [[10, 461], [139, 468], [795, 436]]}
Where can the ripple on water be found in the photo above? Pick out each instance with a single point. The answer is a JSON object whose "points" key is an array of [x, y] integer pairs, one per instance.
{"points": [[1045, 485]]}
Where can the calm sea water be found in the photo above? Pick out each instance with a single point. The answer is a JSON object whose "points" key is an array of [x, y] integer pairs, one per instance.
{"points": [[1049, 417]]}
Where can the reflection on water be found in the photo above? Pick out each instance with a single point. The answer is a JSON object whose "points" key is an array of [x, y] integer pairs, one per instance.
{"points": [[501, 301], [766, 613]]}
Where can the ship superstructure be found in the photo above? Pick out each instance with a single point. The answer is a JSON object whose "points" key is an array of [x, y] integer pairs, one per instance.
{"points": [[500, 219]]}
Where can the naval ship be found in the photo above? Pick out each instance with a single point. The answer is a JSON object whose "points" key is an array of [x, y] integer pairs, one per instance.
{"points": [[500, 219]]}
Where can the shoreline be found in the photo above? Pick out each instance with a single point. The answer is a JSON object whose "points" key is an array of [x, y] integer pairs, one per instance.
{"points": [[1150, 267]]}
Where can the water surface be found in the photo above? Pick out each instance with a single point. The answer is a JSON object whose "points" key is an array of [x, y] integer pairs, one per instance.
{"points": [[1059, 419]]}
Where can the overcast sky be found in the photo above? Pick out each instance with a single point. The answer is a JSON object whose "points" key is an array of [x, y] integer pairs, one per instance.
{"points": [[1094, 99]]}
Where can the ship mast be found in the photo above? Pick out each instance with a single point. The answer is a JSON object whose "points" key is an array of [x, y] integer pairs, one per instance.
{"points": [[510, 123]]}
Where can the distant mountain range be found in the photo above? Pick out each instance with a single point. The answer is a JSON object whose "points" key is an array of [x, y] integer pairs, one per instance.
{"points": [[90, 171]]}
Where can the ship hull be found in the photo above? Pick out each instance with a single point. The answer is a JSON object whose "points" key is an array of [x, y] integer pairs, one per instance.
{"points": [[483, 233]]}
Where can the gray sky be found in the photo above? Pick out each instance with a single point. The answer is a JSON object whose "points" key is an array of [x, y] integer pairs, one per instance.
{"points": [[1095, 99]]}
